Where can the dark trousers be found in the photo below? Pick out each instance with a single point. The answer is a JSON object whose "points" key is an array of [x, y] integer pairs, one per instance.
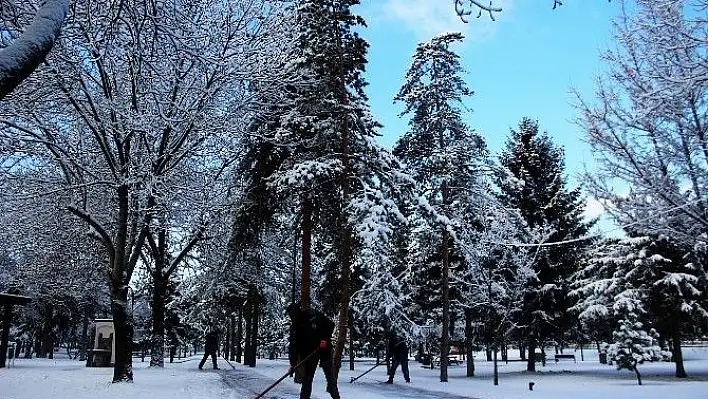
{"points": [[403, 361], [324, 358], [206, 356]]}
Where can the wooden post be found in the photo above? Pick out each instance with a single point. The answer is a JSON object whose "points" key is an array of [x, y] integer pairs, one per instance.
{"points": [[7, 317]]}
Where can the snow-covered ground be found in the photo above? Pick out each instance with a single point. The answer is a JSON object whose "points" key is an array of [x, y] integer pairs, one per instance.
{"points": [[61, 378]]}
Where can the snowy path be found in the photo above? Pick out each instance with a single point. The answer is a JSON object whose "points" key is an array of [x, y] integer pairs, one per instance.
{"points": [[248, 382], [68, 379]]}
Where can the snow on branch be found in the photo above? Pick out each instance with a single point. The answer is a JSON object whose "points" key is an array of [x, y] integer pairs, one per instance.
{"points": [[23, 56]]}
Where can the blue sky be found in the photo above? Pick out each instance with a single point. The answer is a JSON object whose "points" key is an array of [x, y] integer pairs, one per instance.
{"points": [[522, 64]]}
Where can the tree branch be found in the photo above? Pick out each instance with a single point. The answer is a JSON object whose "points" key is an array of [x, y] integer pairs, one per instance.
{"points": [[23, 56], [105, 238]]}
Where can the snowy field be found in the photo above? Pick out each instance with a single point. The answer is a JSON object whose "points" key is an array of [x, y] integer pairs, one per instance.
{"points": [[61, 378]]}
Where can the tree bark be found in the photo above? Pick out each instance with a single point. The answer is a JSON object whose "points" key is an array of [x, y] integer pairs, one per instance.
{"points": [[157, 338], [445, 286], [84, 339], [252, 306], [351, 344], [305, 258], [469, 343], [678, 354], [23, 56], [119, 279], [239, 335], [531, 363]]}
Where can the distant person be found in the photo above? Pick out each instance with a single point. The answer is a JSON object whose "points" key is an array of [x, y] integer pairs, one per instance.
{"points": [[211, 344], [311, 341], [398, 351]]}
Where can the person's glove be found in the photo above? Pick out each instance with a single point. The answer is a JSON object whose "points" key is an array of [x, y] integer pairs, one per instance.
{"points": [[323, 345], [291, 370]]}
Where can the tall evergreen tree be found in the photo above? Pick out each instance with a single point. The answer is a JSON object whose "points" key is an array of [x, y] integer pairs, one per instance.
{"points": [[333, 168], [534, 185], [443, 155]]}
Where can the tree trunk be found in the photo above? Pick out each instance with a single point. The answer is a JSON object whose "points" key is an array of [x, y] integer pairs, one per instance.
{"points": [[239, 335], [119, 280], [496, 368], [346, 244], [232, 338], [157, 339], [305, 243], [639, 377], [84, 340], [351, 344], [123, 338], [445, 286], [23, 56], [678, 354], [469, 343], [229, 335], [531, 363], [254, 329], [47, 346], [251, 327]]}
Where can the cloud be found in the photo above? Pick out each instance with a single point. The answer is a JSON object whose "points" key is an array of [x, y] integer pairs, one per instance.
{"points": [[427, 18]]}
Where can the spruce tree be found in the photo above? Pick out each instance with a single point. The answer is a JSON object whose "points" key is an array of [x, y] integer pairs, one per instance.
{"points": [[333, 167], [534, 184], [443, 155]]}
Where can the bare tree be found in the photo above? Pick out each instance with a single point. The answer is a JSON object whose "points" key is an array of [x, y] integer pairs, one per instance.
{"points": [[23, 55], [647, 122], [135, 96]]}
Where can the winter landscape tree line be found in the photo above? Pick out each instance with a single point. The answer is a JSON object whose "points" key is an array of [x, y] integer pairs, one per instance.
{"points": [[179, 165]]}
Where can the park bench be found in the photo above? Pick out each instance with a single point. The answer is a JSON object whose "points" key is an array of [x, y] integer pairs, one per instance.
{"points": [[451, 360], [568, 357]]}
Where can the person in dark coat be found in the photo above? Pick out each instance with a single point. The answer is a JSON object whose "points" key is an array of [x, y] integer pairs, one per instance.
{"points": [[398, 351], [211, 344], [311, 342]]}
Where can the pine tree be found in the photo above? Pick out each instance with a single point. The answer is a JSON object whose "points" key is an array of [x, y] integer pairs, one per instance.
{"points": [[633, 345], [648, 277], [536, 187], [334, 168], [443, 154]]}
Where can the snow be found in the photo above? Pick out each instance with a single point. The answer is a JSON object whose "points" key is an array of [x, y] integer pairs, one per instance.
{"points": [[62, 378]]}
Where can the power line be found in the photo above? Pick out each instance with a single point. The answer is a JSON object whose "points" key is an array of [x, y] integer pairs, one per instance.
{"points": [[596, 235]]}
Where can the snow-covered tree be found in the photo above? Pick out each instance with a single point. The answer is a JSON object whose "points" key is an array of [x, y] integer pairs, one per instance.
{"points": [[444, 157], [332, 167], [133, 98], [647, 277], [633, 346], [492, 281], [533, 183], [647, 120]]}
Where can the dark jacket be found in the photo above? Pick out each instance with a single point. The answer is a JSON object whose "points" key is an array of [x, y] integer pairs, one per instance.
{"points": [[397, 346], [211, 342], [306, 332]]}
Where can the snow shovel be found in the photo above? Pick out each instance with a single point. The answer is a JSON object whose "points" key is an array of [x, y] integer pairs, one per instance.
{"points": [[287, 374], [365, 372]]}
